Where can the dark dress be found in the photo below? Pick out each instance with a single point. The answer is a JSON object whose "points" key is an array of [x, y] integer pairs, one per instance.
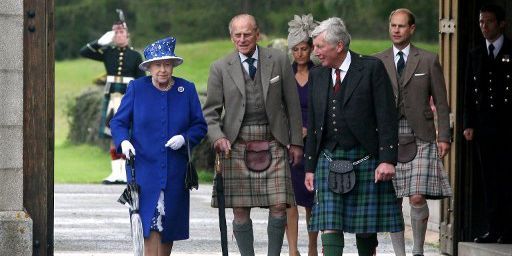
{"points": [[302, 196]]}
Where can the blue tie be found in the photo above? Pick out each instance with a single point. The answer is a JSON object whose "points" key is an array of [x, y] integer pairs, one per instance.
{"points": [[491, 52], [252, 68]]}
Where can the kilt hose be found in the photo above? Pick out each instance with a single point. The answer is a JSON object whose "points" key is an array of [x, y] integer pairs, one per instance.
{"points": [[245, 188], [368, 208], [424, 175]]}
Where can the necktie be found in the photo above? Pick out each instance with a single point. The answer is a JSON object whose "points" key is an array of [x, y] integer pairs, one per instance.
{"points": [[337, 84], [252, 68], [491, 52], [400, 65]]}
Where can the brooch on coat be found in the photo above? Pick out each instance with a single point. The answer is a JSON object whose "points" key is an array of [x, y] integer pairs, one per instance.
{"points": [[505, 58], [181, 89]]}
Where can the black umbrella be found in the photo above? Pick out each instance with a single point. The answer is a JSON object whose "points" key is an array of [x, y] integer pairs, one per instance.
{"points": [[219, 188], [130, 198]]}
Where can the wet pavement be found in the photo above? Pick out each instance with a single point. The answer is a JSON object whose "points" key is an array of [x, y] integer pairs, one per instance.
{"points": [[89, 221]]}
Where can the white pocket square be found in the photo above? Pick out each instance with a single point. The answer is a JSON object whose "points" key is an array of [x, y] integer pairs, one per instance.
{"points": [[275, 79], [419, 74]]}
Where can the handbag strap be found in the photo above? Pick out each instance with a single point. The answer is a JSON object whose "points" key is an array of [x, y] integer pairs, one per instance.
{"points": [[188, 149]]}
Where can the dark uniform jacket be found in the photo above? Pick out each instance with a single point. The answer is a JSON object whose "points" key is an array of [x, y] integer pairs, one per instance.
{"points": [[368, 108], [488, 91], [118, 61]]}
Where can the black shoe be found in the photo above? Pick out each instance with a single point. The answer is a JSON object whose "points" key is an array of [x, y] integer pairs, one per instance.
{"points": [[505, 240], [487, 238], [418, 254]]}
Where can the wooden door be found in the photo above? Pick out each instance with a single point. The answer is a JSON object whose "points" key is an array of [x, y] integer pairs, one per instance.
{"points": [[38, 120], [448, 58]]}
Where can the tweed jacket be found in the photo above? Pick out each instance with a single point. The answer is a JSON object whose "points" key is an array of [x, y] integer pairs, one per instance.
{"points": [[367, 107], [226, 97], [423, 78]]}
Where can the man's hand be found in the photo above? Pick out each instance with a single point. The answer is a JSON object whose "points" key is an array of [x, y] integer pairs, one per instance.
{"points": [[468, 134], [106, 38], [304, 132], [309, 181], [384, 172], [295, 154], [443, 148], [222, 145]]}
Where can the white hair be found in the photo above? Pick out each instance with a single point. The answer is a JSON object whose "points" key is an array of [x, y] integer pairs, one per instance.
{"points": [[335, 31]]}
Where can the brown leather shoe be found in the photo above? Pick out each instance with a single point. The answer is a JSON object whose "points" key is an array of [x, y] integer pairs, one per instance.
{"points": [[487, 238]]}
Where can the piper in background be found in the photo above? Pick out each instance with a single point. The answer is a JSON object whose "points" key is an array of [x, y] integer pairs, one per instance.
{"points": [[122, 65]]}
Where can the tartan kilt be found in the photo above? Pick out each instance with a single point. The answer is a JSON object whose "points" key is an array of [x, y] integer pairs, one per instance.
{"points": [[245, 188], [368, 208], [424, 175]]}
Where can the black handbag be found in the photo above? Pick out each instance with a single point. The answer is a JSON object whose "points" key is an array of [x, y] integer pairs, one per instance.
{"points": [[191, 178], [342, 177], [407, 148]]}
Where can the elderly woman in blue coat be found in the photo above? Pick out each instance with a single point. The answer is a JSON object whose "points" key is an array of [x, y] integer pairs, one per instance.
{"points": [[158, 115]]}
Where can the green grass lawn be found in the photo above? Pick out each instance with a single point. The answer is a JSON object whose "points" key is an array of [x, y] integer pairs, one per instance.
{"points": [[89, 164]]}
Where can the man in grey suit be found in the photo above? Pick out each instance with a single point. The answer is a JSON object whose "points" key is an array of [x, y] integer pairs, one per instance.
{"points": [[252, 102], [417, 77]]}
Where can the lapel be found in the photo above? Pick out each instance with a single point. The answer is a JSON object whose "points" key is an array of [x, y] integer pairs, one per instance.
{"points": [[265, 65], [389, 64], [505, 50], [353, 76], [235, 71], [412, 63], [323, 85]]}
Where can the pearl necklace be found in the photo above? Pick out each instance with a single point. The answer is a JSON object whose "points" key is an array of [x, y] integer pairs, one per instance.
{"points": [[166, 88]]}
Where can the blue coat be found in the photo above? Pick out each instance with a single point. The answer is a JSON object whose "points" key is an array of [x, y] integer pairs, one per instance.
{"points": [[148, 118]]}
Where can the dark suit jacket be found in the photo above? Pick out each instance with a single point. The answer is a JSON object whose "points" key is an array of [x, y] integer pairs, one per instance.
{"points": [[488, 91], [368, 107], [423, 77], [225, 102]]}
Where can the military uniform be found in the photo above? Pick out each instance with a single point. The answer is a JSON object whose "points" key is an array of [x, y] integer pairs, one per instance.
{"points": [[122, 66], [487, 109]]}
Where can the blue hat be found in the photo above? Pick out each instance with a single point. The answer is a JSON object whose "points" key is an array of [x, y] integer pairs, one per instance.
{"points": [[162, 49]]}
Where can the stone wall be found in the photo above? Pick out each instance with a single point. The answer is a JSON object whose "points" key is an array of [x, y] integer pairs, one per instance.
{"points": [[15, 224]]}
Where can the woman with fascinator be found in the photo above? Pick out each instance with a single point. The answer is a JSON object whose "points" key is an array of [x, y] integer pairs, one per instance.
{"points": [[301, 46], [158, 116]]}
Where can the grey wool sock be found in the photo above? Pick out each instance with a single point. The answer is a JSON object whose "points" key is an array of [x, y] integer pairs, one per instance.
{"points": [[419, 221], [398, 241], [244, 238], [275, 232]]}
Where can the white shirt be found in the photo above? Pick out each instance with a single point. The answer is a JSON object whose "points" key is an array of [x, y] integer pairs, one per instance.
{"points": [[405, 51], [245, 64], [344, 68], [497, 45]]}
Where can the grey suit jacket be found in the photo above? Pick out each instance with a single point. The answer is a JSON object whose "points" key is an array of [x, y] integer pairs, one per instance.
{"points": [[423, 78], [225, 102]]}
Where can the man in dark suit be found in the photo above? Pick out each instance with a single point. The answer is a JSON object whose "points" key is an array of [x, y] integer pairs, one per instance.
{"points": [[487, 110], [417, 77], [252, 96], [351, 117]]}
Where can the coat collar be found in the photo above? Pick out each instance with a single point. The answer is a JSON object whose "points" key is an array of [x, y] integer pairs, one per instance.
{"points": [[412, 63]]}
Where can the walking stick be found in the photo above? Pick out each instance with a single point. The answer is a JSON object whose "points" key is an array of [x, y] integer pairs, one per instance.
{"points": [[219, 188]]}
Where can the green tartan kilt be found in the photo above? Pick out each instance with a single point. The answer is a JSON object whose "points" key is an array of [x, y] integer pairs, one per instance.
{"points": [[245, 188], [368, 208]]}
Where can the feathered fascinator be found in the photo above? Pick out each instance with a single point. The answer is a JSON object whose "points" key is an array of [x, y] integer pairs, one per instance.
{"points": [[300, 28]]}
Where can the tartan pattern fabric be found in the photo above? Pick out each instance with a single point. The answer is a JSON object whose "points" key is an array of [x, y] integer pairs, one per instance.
{"points": [[244, 188], [369, 208], [424, 175]]}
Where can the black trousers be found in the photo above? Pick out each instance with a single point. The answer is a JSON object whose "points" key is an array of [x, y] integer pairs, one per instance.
{"points": [[495, 155]]}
